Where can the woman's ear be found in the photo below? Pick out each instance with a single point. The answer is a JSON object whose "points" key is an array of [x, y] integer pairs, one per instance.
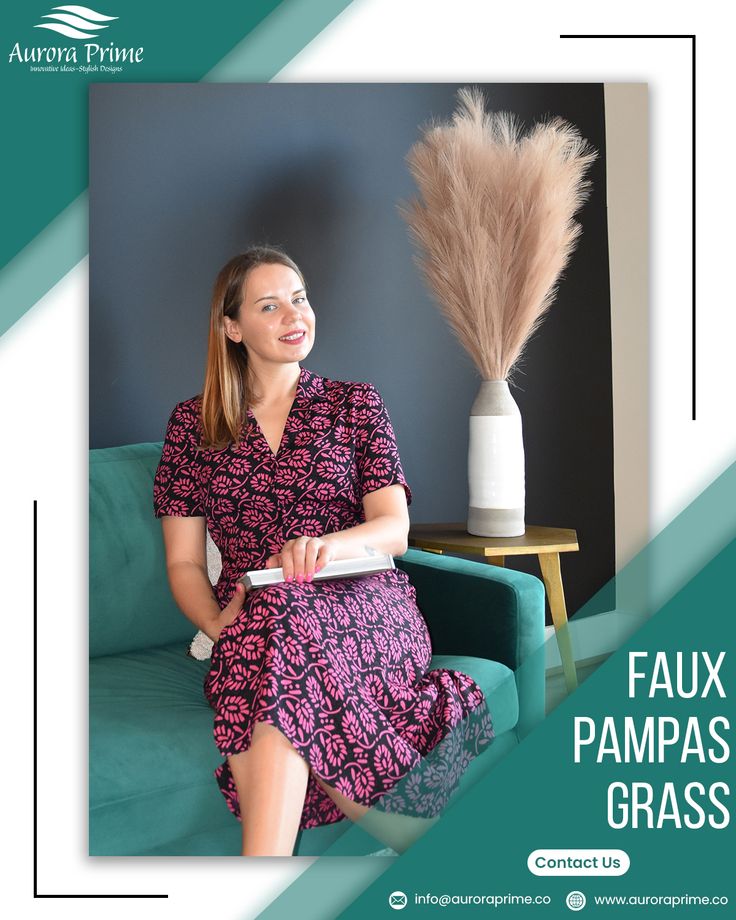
{"points": [[232, 331]]}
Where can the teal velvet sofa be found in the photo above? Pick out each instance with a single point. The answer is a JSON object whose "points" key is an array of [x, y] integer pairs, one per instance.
{"points": [[151, 752]]}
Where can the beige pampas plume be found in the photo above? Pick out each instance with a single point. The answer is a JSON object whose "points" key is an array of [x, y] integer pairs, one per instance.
{"points": [[495, 227]]}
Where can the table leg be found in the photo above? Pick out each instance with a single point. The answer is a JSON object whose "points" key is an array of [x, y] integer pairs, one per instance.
{"points": [[549, 563], [496, 560]]}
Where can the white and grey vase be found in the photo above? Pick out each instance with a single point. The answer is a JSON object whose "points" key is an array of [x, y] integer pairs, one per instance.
{"points": [[495, 463]]}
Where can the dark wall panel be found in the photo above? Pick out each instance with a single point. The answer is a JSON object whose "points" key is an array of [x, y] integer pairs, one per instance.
{"points": [[183, 176]]}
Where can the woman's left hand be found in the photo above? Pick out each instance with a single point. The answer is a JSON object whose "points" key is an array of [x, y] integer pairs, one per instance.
{"points": [[302, 557]]}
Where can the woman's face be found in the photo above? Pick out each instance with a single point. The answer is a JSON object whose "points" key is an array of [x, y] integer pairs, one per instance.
{"points": [[274, 305]]}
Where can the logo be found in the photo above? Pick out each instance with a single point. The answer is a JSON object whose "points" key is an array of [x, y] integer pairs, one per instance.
{"points": [[76, 21], [575, 900], [397, 900]]}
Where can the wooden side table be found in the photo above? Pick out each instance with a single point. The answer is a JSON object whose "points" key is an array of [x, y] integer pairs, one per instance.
{"points": [[545, 542]]}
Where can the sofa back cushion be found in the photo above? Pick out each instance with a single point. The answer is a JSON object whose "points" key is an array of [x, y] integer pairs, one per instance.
{"points": [[130, 602]]}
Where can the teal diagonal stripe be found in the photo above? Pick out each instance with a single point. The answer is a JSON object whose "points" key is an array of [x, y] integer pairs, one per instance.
{"points": [[651, 585], [270, 47], [541, 796], [45, 169], [46, 259]]}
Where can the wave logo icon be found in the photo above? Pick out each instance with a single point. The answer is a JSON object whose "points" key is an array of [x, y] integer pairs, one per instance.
{"points": [[76, 21]]}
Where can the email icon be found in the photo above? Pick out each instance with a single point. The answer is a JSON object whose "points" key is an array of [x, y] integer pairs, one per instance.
{"points": [[397, 900]]}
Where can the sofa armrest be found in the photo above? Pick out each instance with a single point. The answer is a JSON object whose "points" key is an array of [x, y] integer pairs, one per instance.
{"points": [[473, 608]]}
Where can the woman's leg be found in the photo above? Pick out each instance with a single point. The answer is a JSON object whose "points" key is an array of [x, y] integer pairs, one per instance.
{"points": [[392, 828], [348, 807], [271, 780]]}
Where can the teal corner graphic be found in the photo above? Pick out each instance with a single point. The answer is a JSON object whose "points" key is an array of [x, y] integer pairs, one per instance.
{"points": [[48, 234], [677, 599]]}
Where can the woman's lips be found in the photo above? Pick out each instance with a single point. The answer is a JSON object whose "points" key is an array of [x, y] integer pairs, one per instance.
{"points": [[294, 341]]}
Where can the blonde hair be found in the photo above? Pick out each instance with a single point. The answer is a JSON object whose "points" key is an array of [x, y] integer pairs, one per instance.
{"points": [[228, 384]]}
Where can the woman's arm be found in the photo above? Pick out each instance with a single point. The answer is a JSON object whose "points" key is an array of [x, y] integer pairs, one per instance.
{"points": [[386, 527], [186, 568], [385, 530]]}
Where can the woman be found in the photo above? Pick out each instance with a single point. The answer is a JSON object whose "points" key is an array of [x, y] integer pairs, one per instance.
{"points": [[321, 693]]}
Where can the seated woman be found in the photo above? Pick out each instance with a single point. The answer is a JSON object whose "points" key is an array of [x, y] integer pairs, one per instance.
{"points": [[322, 698]]}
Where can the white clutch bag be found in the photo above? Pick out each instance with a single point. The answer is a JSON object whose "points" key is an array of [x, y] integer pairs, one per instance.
{"points": [[201, 645]]}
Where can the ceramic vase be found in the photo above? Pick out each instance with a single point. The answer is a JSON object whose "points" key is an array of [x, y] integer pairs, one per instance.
{"points": [[495, 463]]}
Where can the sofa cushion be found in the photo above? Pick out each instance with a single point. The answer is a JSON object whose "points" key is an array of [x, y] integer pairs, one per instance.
{"points": [[495, 680], [130, 602], [152, 754]]}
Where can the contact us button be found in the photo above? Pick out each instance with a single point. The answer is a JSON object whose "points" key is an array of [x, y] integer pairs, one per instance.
{"points": [[578, 862]]}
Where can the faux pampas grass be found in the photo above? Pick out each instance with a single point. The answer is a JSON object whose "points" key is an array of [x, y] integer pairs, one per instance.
{"points": [[495, 228]]}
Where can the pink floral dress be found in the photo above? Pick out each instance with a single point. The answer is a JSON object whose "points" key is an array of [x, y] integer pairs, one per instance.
{"points": [[341, 668]]}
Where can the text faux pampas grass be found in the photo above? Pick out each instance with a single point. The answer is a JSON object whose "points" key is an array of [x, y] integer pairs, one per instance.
{"points": [[496, 227]]}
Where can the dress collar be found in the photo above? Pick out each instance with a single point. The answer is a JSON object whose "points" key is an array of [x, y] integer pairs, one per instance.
{"points": [[310, 388]]}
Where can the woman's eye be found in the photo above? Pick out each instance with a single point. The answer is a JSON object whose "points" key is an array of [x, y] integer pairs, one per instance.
{"points": [[296, 300]]}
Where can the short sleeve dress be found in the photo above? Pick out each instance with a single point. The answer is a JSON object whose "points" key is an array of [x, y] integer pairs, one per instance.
{"points": [[341, 668]]}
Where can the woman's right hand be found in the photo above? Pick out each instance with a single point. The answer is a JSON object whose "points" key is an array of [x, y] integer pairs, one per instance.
{"points": [[230, 611]]}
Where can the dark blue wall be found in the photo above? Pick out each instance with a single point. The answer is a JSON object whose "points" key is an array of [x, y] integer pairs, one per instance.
{"points": [[183, 176]]}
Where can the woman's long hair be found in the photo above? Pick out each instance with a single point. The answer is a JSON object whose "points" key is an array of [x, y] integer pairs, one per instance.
{"points": [[228, 382]]}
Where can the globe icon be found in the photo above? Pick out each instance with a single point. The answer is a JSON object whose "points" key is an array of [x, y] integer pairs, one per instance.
{"points": [[575, 900]]}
